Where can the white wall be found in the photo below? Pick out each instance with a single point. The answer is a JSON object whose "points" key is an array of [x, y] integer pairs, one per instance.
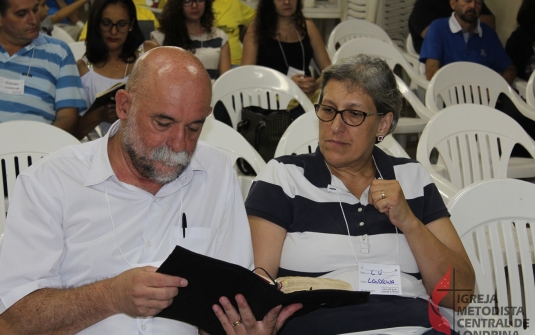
{"points": [[505, 12]]}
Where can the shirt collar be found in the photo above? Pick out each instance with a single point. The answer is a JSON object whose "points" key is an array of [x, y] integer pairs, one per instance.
{"points": [[317, 173], [36, 42], [101, 169], [455, 26]]}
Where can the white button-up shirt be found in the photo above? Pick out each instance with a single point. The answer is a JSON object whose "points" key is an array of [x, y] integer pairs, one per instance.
{"points": [[59, 230]]}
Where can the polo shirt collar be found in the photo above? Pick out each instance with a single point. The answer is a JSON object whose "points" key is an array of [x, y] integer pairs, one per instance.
{"points": [[317, 173], [101, 169], [39, 40], [455, 26]]}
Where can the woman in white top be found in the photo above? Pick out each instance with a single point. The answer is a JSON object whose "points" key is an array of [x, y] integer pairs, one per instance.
{"points": [[112, 46], [189, 24]]}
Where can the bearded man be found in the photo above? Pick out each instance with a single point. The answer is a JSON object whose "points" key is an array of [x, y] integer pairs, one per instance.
{"points": [[462, 37], [88, 225]]}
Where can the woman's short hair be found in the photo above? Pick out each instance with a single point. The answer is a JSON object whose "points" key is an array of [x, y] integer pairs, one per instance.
{"points": [[173, 24], [371, 75], [96, 51]]}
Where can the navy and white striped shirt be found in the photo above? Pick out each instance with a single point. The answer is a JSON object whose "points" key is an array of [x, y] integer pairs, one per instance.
{"points": [[51, 81], [299, 194]]}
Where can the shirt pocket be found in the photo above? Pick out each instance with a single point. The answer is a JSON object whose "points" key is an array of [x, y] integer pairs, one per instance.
{"points": [[198, 239]]}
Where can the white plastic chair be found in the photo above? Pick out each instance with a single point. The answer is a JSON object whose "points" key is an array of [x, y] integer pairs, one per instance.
{"points": [[495, 220], [21, 144], [235, 146], [302, 137], [78, 49], [474, 142], [471, 83], [253, 85], [530, 91], [354, 28], [61, 34], [385, 51]]}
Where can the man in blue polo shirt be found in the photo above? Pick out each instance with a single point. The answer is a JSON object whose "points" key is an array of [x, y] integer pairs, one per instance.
{"points": [[38, 76], [462, 37]]}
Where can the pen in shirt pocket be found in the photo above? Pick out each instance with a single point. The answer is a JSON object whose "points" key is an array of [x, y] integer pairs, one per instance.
{"points": [[184, 225]]}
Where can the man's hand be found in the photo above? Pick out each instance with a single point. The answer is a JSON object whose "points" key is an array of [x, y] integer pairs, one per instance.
{"points": [[143, 292]]}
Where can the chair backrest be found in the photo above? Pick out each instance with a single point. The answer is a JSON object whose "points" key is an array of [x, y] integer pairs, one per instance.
{"points": [[354, 28], [423, 112], [496, 222], [470, 83], [474, 142], [388, 52], [409, 46], [530, 91], [78, 49], [302, 137], [21, 144], [233, 143], [61, 34], [253, 85]]}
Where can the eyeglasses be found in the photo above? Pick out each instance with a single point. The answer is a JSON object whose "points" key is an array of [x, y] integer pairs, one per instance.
{"points": [[122, 26], [351, 117], [189, 2]]}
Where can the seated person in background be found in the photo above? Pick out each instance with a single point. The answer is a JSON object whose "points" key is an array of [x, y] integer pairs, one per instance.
{"points": [[102, 216], [114, 42], [350, 208], [142, 14], [520, 46], [282, 39], [231, 16], [48, 22], [72, 24], [462, 37], [425, 12], [44, 83], [189, 24]]}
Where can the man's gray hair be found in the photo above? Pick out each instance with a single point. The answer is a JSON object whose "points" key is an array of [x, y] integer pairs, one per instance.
{"points": [[371, 75]]}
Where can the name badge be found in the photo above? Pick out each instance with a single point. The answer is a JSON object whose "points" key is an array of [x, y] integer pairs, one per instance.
{"points": [[11, 86], [382, 279], [292, 71]]}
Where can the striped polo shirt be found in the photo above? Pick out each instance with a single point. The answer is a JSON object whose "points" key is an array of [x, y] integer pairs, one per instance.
{"points": [[300, 194], [51, 81]]}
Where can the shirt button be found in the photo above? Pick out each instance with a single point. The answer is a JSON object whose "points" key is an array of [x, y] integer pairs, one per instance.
{"points": [[361, 224], [360, 209], [149, 244], [143, 327], [365, 195]]}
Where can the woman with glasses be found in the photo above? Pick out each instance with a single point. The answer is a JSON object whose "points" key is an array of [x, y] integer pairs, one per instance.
{"points": [[282, 39], [189, 24], [351, 212], [114, 42]]}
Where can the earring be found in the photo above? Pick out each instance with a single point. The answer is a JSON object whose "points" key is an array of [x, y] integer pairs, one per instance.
{"points": [[380, 138]]}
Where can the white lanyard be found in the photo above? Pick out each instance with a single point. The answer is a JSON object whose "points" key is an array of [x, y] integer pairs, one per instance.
{"points": [[302, 50]]}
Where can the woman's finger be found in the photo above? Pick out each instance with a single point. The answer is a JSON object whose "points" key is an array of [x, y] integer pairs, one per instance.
{"points": [[233, 316], [247, 316]]}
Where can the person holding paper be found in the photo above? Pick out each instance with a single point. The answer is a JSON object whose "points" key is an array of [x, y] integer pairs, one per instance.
{"points": [[114, 42], [282, 39], [88, 226], [349, 211]]}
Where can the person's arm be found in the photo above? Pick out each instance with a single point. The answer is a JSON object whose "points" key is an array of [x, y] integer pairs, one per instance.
{"points": [[67, 11], [139, 292], [73, 17], [431, 67], [268, 239], [66, 119], [224, 59], [509, 74], [435, 246], [321, 57], [250, 47]]}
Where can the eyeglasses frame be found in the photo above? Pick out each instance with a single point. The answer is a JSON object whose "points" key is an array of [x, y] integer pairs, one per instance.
{"points": [[341, 112]]}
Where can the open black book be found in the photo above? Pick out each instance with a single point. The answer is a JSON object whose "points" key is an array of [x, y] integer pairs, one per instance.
{"points": [[105, 97], [209, 279]]}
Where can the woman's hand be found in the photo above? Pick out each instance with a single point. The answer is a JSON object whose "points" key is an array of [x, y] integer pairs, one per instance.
{"points": [[388, 198], [307, 84], [245, 323], [108, 113]]}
